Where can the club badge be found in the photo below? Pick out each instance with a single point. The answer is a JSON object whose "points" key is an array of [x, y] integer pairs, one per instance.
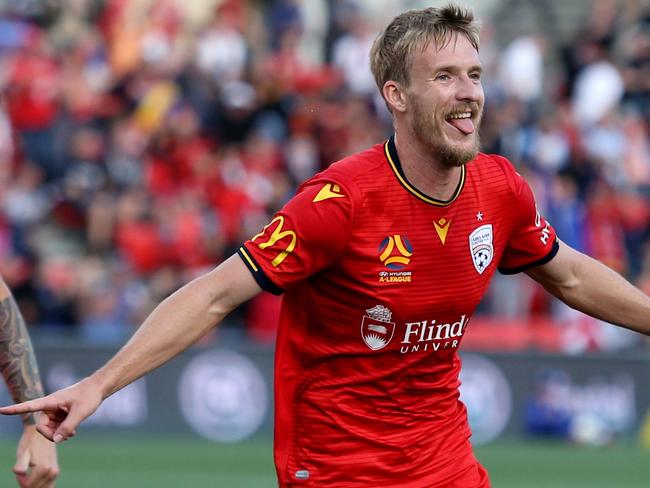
{"points": [[480, 246]]}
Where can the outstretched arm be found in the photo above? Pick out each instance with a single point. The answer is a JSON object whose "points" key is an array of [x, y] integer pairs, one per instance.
{"points": [[178, 322], [175, 324], [591, 287], [36, 461]]}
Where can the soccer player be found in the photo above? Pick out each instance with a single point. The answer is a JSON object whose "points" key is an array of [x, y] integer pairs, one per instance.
{"points": [[382, 259], [36, 462]]}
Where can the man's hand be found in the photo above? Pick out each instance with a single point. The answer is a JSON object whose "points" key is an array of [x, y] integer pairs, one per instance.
{"points": [[36, 463], [62, 411]]}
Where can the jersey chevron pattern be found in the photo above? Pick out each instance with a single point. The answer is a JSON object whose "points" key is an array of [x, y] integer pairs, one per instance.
{"points": [[380, 282]]}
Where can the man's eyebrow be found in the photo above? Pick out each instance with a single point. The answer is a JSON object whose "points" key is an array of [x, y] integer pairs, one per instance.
{"points": [[452, 68]]}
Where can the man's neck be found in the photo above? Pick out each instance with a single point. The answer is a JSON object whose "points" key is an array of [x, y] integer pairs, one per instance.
{"points": [[424, 172]]}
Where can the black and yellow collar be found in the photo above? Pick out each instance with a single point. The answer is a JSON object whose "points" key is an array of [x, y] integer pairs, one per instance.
{"points": [[393, 160]]}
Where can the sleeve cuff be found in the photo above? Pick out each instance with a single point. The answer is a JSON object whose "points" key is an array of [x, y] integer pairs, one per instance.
{"points": [[539, 262], [256, 270]]}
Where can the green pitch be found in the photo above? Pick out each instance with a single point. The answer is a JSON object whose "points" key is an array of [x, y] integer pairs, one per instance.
{"points": [[165, 463]]}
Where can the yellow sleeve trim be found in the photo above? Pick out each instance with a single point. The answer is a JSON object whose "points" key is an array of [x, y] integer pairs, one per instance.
{"points": [[248, 258]]}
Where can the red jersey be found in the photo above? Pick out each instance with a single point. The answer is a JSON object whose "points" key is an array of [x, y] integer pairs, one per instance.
{"points": [[380, 282]]}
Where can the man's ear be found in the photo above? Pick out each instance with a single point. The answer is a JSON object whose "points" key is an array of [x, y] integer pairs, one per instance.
{"points": [[394, 96]]}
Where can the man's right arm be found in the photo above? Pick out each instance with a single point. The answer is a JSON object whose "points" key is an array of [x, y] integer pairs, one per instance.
{"points": [[174, 325]]}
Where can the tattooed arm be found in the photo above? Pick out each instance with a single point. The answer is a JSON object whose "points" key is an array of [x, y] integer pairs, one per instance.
{"points": [[17, 359], [36, 460]]}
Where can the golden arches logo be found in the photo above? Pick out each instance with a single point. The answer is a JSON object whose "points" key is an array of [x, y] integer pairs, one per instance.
{"points": [[277, 235], [395, 251]]}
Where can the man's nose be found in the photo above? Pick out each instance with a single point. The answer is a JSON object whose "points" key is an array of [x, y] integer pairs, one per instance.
{"points": [[469, 89]]}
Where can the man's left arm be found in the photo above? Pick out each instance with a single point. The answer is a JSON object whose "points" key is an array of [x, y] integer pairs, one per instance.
{"points": [[589, 286], [36, 460]]}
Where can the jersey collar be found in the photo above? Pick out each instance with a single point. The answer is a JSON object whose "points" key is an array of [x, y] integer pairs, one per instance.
{"points": [[393, 160]]}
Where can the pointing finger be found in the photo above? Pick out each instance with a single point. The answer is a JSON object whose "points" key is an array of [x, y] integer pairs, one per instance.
{"points": [[36, 405], [30, 406]]}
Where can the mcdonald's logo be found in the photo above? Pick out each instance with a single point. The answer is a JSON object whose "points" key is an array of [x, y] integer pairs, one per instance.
{"points": [[278, 235]]}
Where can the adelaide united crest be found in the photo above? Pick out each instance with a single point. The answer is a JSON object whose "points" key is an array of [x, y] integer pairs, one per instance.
{"points": [[376, 327], [480, 246]]}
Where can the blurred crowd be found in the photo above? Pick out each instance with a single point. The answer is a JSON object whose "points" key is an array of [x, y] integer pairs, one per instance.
{"points": [[141, 141]]}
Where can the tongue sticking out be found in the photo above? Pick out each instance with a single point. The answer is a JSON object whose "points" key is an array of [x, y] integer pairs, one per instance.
{"points": [[466, 126]]}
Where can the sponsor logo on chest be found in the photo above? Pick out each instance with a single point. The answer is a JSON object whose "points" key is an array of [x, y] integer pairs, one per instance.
{"points": [[376, 327], [378, 330]]}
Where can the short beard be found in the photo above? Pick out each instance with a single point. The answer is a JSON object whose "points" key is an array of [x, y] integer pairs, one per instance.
{"points": [[451, 157], [426, 131]]}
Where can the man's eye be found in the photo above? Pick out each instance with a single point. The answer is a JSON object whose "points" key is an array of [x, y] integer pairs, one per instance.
{"points": [[442, 77]]}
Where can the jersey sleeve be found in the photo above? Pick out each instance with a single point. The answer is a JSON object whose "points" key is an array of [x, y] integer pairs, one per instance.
{"points": [[533, 240], [304, 237]]}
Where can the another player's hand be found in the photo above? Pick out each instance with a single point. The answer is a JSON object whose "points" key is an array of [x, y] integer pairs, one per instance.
{"points": [[36, 463], [62, 411]]}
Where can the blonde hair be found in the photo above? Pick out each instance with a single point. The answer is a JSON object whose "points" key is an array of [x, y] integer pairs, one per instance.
{"points": [[392, 52]]}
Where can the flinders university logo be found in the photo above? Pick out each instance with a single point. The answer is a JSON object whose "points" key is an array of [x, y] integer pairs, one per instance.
{"points": [[376, 328], [480, 246]]}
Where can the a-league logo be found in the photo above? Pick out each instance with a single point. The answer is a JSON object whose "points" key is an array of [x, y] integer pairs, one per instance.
{"points": [[395, 251]]}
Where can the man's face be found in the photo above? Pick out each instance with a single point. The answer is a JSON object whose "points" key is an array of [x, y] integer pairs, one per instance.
{"points": [[445, 100]]}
